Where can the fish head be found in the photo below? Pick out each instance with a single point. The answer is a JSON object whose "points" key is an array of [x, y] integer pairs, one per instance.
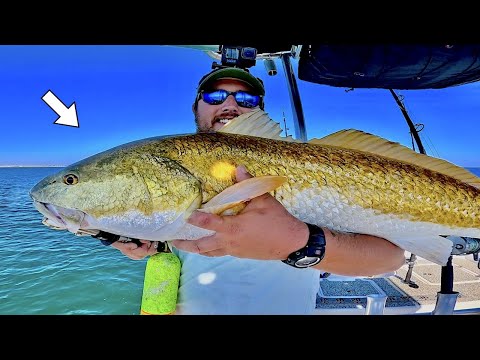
{"points": [[129, 191]]}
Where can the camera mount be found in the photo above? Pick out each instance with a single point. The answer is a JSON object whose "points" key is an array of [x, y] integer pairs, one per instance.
{"points": [[236, 56]]}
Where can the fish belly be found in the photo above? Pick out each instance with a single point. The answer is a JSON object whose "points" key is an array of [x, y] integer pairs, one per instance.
{"points": [[328, 208]]}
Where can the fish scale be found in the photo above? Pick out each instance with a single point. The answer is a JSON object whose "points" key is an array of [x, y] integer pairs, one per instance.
{"points": [[146, 189], [386, 186]]}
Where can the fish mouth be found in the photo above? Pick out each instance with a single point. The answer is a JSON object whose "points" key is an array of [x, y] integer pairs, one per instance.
{"points": [[60, 218]]}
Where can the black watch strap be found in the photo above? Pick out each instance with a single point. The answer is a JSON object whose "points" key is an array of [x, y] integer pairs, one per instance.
{"points": [[312, 253]]}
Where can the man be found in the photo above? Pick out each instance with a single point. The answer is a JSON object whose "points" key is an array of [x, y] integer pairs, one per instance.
{"points": [[253, 280]]}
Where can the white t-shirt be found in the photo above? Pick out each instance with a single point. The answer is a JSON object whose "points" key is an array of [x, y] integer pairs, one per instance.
{"points": [[232, 286]]}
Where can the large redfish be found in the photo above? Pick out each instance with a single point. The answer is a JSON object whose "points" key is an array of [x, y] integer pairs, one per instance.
{"points": [[349, 181]]}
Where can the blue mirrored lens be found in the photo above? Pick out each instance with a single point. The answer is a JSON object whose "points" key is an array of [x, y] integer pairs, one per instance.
{"points": [[244, 99], [247, 100], [215, 97]]}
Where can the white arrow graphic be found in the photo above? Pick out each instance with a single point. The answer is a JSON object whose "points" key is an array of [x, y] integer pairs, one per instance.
{"points": [[67, 116]]}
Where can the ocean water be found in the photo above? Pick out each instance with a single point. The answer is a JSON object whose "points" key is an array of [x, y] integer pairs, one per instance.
{"points": [[49, 272], [44, 271]]}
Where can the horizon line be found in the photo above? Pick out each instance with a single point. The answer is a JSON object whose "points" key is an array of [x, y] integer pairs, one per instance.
{"points": [[10, 166]]}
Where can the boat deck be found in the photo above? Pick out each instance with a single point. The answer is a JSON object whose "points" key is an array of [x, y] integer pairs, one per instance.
{"points": [[345, 295]]}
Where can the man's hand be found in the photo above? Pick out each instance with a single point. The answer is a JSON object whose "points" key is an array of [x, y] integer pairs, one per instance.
{"points": [[135, 252], [263, 230]]}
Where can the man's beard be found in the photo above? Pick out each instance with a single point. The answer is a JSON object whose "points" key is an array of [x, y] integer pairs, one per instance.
{"points": [[201, 129]]}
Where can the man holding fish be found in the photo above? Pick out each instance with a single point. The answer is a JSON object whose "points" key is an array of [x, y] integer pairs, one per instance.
{"points": [[237, 270]]}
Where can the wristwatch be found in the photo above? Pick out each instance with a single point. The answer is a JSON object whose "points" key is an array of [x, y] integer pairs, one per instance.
{"points": [[312, 253]]}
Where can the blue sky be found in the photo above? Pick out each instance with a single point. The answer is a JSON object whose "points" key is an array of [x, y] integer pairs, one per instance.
{"points": [[128, 92]]}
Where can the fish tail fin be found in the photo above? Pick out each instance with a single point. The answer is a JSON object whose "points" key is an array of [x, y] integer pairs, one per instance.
{"points": [[437, 249]]}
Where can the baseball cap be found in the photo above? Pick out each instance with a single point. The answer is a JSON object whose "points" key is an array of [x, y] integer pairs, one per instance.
{"points": [[231, 73]]}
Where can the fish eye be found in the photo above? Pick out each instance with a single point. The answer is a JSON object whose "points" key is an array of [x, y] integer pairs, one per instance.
{"points": [[70, 179]]}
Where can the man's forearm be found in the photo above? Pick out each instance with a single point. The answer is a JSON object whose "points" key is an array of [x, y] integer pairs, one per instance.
{"points": [[359, 255]]}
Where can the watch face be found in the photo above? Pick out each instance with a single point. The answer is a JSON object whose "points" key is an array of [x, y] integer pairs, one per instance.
{"points": [[307, 261]]}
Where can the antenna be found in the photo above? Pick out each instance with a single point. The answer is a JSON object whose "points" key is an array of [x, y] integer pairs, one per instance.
{"points": [[285, 124]]}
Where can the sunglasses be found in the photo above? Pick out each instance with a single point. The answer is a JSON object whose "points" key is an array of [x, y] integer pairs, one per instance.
{"points": [[243, 98]]}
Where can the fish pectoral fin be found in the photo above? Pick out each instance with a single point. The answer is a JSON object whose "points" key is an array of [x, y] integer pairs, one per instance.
{"points": [[225, 209], [234, 197]]}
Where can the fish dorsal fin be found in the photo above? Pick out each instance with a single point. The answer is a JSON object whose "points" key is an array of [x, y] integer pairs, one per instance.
{"points": [[255, 123], [359, 140], [239, 193]]}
